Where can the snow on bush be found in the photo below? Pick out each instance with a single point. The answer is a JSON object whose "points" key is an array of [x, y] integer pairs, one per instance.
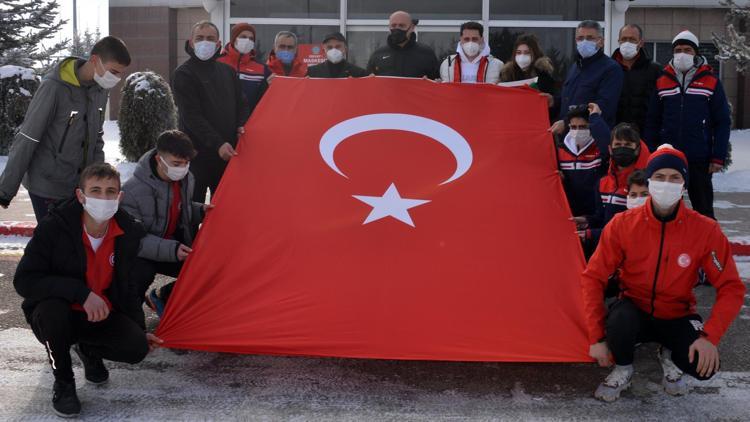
{"points": [[17, 85], [146, 110]]}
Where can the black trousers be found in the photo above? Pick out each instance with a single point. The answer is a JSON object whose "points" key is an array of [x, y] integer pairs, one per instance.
{"points": [[58, 327], [701, 188], [207, 170], [627, 325], [152, 268]]}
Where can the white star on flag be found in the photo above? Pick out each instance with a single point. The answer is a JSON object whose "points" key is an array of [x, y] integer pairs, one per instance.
{"points": [[391, 204]]}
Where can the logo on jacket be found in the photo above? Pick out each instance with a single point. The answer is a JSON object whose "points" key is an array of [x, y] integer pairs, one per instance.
{"points": [[697, 324], [716, 262], [112, 259], [684, 260]]}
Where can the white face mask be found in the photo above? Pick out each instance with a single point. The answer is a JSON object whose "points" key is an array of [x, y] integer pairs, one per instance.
{"points": [[628, 50], [244, 45], [683, 61], [470, 48], [175, 173], [335, 55], [665, 194], [106, 81], [204, 50], [580, 136], [100, 210], [523, 60], [636, 202]]}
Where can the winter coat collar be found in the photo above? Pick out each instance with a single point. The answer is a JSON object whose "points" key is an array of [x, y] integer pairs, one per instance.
{"points": [[195, 59], [236, 57], [299, 68], [642, 60], [484, 53]]}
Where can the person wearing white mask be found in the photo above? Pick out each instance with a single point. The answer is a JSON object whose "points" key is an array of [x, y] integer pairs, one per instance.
{"points": [[336, 64], [239, 53], [637, 189], [640, 76], [62, 131], [657, 250], [690, 110], [160, 195], [472, 62], [211, 105], [76, 278], [592, 78], [529, 62]]}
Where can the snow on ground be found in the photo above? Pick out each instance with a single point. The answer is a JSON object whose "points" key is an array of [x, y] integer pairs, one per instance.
{"points": [[737, 177], [112, 153], [743, 266]]}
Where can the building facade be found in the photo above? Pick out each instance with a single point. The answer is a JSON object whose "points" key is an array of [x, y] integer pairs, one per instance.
{"points": [[156, 30]]}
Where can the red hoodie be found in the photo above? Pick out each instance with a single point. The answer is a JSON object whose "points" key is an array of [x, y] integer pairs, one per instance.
{"points": [[299, 68], [658, 267]]}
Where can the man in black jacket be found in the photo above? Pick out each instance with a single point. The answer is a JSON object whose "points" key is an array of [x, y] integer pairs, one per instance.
{"points": [[336, 65], [78, 278], [640, 76], [403, 56], [212, 107]]}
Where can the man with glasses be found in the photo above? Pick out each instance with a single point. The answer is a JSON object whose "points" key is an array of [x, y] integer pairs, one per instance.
{"points": [[403, 56], [593, 78]]}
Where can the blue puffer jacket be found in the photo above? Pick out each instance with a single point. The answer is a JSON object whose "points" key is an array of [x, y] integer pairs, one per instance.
{"points": [[693, 118], [597, 79]]}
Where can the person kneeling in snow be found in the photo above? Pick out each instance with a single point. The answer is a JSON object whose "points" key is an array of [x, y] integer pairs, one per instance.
{"points": [[658, 249], [160, 195], [78, 277]]}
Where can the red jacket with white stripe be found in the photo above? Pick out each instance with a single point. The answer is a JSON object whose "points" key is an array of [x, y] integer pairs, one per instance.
{"points": [[252, 74], [658, 266]]}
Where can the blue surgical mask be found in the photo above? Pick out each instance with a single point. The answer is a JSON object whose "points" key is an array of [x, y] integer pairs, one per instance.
{"points": [[285, 56], [587, 48]]}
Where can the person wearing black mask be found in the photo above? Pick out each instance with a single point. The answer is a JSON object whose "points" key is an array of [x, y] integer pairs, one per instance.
{"points": [[212, 107], [403, 56], [628, 154]]}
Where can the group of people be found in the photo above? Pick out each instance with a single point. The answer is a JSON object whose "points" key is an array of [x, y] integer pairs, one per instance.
{"points": [[629, 135]]}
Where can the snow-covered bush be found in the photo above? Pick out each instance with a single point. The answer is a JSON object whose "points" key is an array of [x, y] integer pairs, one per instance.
{"points": [[17, 85], [146, 110]]}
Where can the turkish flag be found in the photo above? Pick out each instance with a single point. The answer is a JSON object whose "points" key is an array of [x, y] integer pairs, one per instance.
{"points": [[387, 218]]}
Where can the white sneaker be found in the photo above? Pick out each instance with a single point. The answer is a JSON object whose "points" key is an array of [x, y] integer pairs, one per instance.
{"points": [[672, 381], [616, 382]]}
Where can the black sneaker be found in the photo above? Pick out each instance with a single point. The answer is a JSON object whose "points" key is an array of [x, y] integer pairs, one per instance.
{"points": [[94, 369], [65, 400]]}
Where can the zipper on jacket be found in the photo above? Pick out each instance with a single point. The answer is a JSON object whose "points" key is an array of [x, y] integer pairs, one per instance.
{"points": [[72, 117], [658, 267]]}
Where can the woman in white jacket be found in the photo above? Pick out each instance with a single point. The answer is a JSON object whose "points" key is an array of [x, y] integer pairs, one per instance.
{"points": [[472, 62]]}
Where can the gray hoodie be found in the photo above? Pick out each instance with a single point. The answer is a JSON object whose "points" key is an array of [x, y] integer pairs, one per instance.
{"points": [[60, 135], [147, 198]]}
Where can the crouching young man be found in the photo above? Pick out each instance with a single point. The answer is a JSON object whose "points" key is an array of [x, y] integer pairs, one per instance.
{"points": [[160, 195], [77, 280], [658, 249]]}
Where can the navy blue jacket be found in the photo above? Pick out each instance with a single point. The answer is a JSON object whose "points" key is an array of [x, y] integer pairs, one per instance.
{"points": [[581, 172], [694, 119], [597, 79]]}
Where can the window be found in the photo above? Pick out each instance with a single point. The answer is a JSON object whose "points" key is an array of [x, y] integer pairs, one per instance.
{"points": [[422, 9], [306, 34], [567, 10], [316, 9]]}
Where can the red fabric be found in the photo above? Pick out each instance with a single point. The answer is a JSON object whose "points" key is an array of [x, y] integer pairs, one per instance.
{"points": [[631, 242], [299, 68], [481, 71], [704, 79], [175, 209], [300, 273], [241, 63], [100, 265], [615, 182]]}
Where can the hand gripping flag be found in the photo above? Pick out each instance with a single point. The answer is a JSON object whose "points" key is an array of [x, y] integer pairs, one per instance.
{"points": [[387, 218]]}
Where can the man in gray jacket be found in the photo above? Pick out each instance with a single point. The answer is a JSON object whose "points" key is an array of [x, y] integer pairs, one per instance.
{"points": [[62, 131], [160, 194]]}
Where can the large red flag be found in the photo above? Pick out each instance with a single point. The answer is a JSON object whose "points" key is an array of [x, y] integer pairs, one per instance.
{"points": [[387, 218]]}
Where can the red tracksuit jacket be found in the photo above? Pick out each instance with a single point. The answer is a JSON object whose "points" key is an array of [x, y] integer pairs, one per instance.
{"points": [[658, 264]]}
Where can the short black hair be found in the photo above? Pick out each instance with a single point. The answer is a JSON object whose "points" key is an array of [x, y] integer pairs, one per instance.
{"points": [[177, 143], [99, 171], [471, 25], [638, 177], [626, 132], [581, 111], [110, 49]]}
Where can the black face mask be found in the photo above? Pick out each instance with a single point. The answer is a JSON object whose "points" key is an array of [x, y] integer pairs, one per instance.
{"points": [[397, 36], [624, 156]]}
